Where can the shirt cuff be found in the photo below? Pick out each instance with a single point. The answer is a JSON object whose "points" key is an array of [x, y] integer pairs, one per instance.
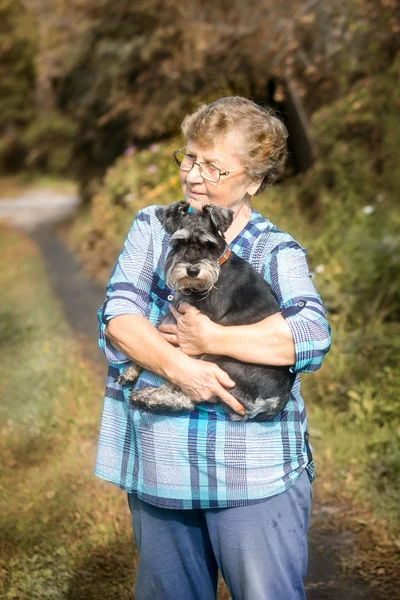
{"points": [[310, 336], [113, 307]]}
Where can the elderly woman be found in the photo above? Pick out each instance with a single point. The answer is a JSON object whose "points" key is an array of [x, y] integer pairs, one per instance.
{"points": [[206, 492]]}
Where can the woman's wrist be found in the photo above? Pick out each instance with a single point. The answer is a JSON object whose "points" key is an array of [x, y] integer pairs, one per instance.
{"points": [[217, 340], [175, 367]]}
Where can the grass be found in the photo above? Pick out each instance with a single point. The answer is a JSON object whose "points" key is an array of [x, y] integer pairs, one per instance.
{"points": [[64, 533], [352, 402]]}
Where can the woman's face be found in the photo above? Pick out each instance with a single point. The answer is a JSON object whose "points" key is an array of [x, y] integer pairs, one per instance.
{"points": [[232, 190]]}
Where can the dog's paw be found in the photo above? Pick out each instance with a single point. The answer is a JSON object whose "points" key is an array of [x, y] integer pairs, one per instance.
{"points": [[236, 417], [232, 415], [129, 375]]}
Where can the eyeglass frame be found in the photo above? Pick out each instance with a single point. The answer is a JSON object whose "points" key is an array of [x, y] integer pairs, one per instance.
{"points": [[204, 162]]}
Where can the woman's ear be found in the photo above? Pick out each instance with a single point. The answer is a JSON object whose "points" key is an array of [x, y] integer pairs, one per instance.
{"points": [[254, 186]]}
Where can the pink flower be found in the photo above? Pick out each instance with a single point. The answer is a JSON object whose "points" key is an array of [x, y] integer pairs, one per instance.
{"points": [[130, 150]]}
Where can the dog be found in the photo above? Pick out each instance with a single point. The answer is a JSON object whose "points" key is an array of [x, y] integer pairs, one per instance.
{"points": [[204, 272]]}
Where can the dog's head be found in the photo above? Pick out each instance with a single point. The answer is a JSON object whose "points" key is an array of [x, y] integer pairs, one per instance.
{"points": [[197, 243], [172, 216]]}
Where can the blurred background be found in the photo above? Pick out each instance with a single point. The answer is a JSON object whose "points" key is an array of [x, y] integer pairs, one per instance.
{"points": [[92, 94]]}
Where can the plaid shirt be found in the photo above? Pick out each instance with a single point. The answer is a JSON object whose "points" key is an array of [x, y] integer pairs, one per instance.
{"points": [[201, 459]]}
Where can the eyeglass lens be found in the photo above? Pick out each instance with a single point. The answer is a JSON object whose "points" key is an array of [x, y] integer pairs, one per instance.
{"points": [[207, 170]]}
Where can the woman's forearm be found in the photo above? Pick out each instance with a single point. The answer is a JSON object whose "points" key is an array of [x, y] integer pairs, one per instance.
{"points": [[140, 341], [269, 342]]}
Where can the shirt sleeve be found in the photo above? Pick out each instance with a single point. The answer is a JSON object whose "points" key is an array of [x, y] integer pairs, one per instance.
{"points": [[300, 305], [128, 291]]}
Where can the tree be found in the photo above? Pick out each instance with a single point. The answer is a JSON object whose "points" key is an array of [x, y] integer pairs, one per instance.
{"points": [[17, 78]]}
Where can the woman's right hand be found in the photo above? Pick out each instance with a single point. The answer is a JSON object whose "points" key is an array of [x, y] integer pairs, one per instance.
{"points": [[202, 380]]}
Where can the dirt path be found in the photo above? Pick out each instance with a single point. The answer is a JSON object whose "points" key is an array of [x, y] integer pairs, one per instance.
{"points": [[37, 208], [37, 212]]}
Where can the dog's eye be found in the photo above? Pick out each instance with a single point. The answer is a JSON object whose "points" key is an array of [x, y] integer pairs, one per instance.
{"points": [[207, 241], [209, 245], [177, 242]]}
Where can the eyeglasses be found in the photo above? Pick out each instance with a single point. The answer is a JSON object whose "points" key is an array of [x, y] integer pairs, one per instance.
{"points": [[208, 171]]}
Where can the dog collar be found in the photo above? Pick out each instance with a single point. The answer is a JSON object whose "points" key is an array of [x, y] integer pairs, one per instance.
{"points": [[224, 257]]}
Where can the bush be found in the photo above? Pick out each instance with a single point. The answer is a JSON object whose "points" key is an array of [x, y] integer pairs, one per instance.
{"points": [[135, 180], [345, 211], [48, 143], [17, 76]]}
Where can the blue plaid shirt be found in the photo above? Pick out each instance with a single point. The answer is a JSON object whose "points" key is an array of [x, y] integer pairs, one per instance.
{"points": [[201, 459]]}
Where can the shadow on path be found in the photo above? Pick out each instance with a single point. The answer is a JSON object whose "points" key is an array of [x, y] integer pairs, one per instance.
{"points": [[106, 573], [80, 297]]}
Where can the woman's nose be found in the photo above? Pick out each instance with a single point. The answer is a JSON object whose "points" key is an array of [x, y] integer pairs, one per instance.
{"points": [[194, 175]]}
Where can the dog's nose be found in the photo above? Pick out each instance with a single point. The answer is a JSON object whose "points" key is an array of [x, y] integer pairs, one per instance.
{"points": [[192, 271]]}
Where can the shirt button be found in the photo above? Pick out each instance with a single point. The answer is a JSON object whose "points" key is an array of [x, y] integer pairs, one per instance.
{"points": [[170, 298], [301, 303]]}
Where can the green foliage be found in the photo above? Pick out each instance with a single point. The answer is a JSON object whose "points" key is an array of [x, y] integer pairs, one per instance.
{"points": [[370, 283], [140, 67], [17, 69], [355, 407], [48, 142], [135, 180], [44, 146], [359, 248], [63, 534], [356, 141], [349, 200], [31, 138], [17, 77], [345, 211]]}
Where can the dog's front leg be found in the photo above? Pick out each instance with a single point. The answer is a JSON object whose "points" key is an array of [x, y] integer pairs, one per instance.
{"points": [[129, 375], [132, 373], [165, 399]]}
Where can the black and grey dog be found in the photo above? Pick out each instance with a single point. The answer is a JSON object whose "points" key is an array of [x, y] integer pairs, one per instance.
{"points": [[203, 272]]}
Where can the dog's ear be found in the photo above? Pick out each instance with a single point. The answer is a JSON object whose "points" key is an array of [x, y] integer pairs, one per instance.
{"points": [[220, 217], [171, 216]]}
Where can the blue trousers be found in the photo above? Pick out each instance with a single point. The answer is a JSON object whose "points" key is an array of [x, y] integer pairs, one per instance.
{"points": [[260, 549]]}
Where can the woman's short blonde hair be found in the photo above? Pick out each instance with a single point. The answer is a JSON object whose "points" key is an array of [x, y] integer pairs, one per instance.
{"points": [[264, 136]]}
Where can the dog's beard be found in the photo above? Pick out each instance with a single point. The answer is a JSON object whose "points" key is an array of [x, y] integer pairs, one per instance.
{"points": [[177, 277]]}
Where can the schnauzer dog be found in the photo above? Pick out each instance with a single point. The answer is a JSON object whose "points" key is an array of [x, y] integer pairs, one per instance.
{"points": [[203, 272]]}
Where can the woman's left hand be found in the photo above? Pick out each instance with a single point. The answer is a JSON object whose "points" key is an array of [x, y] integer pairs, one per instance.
{"points": [[192, 332]]}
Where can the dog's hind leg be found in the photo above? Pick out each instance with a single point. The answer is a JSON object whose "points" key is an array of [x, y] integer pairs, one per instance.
{"points": [[166, 399], [260, 409], [267, 406]]}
